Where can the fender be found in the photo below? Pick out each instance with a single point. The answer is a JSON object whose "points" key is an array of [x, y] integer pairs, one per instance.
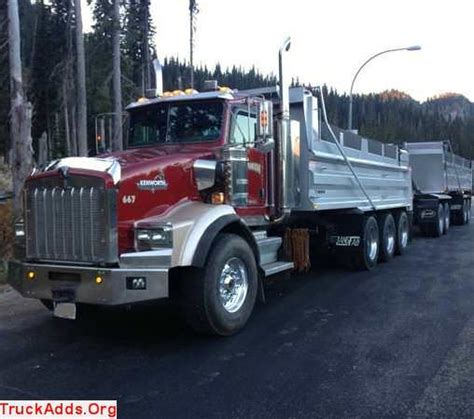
{"points": [[214, 229], [195, 225]]}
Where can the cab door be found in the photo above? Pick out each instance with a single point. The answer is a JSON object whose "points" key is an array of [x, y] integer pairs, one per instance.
{"points": [[243, 132]]}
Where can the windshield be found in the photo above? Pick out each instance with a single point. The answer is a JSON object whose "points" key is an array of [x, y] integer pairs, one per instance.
{"points": [[174, 123]]}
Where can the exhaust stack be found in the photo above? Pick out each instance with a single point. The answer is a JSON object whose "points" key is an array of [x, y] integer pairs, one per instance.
{"points": [[287, 196], [158, 69]]}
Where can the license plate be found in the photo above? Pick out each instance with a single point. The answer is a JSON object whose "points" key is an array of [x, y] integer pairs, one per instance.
{"points": [[65, 311]]}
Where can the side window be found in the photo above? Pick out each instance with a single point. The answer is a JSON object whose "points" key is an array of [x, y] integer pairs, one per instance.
{"points": [[243, 128]]}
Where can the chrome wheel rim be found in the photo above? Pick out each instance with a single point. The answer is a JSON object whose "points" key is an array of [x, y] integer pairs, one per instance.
{"points": [[391, 240], [440, 219], [404, 233], [233, 285], [372, 244]]}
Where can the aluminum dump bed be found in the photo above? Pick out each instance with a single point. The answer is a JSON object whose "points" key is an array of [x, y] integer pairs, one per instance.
{"points": [[436, 170], [326, 181], [321, 178]]}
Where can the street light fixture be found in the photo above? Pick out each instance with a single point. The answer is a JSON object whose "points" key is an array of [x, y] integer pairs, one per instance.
{"points": [[411, 48]]}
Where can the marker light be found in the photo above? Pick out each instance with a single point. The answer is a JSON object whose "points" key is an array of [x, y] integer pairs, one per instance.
{"points": [[167, 94], [191, 91], [224, 89], [99, 280], [217, 198], [142, 99], [31, 275], [178, 93]]}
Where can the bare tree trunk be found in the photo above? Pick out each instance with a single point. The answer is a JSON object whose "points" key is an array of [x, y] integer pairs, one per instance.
{"points": [[67, 132], [81, 84], [42, 149], [191, 43], [117, 143], [20, 119], [73, 131]]}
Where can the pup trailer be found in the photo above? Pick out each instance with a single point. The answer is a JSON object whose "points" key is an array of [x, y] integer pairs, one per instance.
{"points": [[214, 192], [442, 186]]}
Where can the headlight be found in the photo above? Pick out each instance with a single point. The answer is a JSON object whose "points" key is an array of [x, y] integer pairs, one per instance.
{"points": [[154, 237]]}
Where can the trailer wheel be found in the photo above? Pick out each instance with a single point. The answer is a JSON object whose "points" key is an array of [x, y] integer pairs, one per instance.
{"points": [[461, 216], [219, 299], [447, 217], [467, 211], [387, 237], [403, 232], [368, 252], [436, 229]]}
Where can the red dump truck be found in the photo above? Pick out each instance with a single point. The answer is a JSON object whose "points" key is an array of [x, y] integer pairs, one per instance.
{"points": [[198, 205]]}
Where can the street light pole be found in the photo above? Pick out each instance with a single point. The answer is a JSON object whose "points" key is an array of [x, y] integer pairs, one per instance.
{"points": [[412, 48]]}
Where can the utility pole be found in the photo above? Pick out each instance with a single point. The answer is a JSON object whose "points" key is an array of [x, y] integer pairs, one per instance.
{"points": [[117, 140], [193, 11]]}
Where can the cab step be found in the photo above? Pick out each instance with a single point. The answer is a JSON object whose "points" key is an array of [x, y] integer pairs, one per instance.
{"points": [[276, 267]]}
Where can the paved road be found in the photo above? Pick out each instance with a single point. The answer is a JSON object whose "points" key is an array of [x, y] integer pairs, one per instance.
{"points": [[397, 342]]}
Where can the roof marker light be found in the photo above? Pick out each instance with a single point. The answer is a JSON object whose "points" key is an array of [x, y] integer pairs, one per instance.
{"points": [[225, 89]]}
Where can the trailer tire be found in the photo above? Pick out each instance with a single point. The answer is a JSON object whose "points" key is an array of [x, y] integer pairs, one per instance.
{"points": [[388, 235], [436, 229], [466, 211], [403, 232], [219, 299], [368, 253], [447, 218]]}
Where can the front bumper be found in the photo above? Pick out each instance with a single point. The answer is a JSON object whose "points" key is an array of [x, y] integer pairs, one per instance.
{"points": [[77, 284]]}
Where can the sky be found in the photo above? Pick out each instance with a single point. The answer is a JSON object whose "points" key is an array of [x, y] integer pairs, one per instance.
{"points": [[330, 40]]}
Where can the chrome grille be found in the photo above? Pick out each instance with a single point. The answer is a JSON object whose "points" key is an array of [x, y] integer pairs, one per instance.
{"points": [[72, 223]]}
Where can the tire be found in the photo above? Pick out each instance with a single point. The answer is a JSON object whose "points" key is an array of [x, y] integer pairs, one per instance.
{"points": [[403, 232], [466, 211], [447, 218], [388, 233], [367, 255], [212, 301], [436, 229], [460, 216]]}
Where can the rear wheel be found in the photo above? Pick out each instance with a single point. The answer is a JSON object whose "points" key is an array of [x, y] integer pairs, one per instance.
{"points": [[219, 299], [447, 217], [461, 216], [467, 211], [387, 237], [368, 252], [403, 232], [436, 229]]}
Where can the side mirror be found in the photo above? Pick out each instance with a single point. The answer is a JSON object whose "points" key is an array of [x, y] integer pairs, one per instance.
{"points": [[264, 120]]}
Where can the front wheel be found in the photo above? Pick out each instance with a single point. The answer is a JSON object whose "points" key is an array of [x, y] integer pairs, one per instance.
{"points": [[220, 298], [436, 228]]}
